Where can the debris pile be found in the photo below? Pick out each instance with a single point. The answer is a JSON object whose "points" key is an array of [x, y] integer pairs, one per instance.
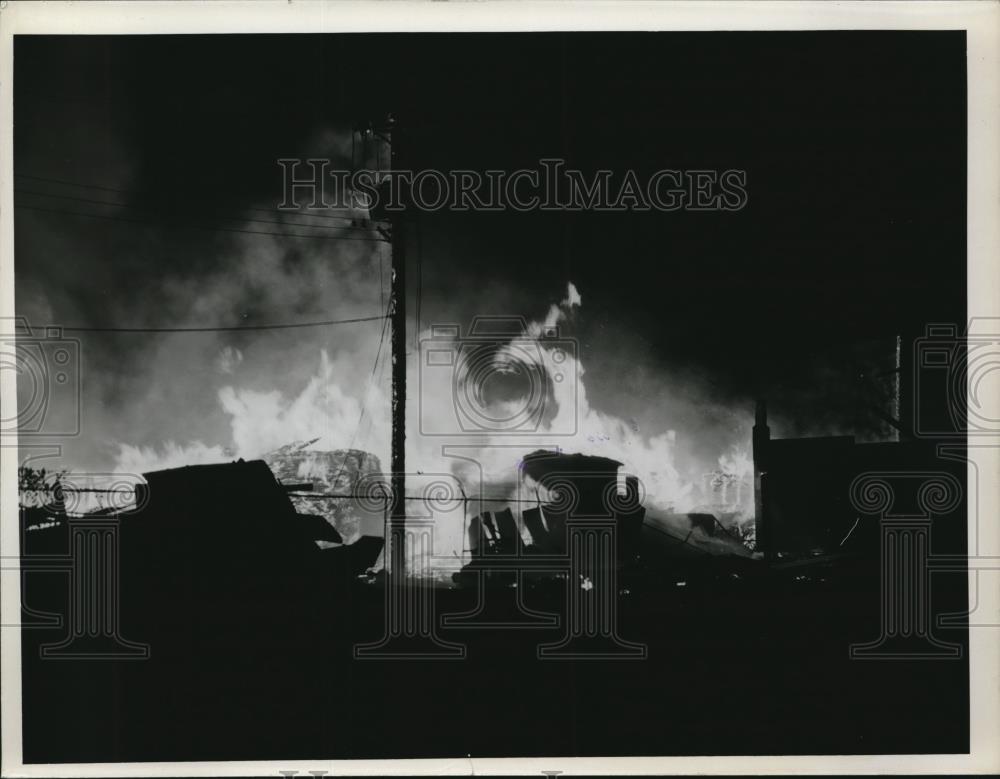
{"points": [[340, 473]]}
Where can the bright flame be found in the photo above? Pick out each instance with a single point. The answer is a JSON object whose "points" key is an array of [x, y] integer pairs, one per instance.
{"points": [[483, 463], [737, 462]]}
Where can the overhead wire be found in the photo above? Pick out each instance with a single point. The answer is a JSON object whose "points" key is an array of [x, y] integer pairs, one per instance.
{"points": [[224, 329], [139, 207], [80, 185], [214, 228]]}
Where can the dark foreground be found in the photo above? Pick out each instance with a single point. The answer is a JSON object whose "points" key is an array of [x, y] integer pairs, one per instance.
{"points": [[741, 660]]}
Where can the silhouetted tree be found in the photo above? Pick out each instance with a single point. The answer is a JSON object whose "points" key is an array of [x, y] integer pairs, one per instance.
{"points": [[37, 487]]}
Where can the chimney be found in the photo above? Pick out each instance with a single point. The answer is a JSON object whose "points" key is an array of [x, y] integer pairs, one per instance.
{"points": [[761, 438], [905, 389]]}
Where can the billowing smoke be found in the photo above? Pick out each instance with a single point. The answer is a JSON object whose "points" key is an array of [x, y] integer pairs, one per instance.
{"points": [[154, 401], [485, 457], [340, 411]]}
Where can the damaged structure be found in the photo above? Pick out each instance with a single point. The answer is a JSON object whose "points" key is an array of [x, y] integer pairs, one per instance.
{"points": [[571, 499], [565, 488], [808, 491], [329, 479]]}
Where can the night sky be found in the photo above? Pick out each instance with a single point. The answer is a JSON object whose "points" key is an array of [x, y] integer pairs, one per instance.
{"points": [[853, 143]]}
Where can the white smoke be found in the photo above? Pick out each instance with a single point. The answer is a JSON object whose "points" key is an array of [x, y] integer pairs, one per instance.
{"points": [[229, 359], [142, 459], [328, 408]]}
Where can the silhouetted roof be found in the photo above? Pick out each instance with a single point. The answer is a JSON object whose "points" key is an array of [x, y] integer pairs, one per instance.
{"points": [[223, 507]]}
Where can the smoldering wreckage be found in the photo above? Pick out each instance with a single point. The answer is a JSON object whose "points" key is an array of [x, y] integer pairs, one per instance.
{"points": [[247, 588]]}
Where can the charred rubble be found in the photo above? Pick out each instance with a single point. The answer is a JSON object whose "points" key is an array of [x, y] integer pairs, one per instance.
{"points": [[251, 609]]}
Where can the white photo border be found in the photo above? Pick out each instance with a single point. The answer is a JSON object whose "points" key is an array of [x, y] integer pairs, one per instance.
{"points": [[980, 20]]}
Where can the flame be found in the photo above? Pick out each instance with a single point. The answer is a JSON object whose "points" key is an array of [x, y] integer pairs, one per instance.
{"points": [[142, 459], [737, 462], [325, 411], [483, 464]]}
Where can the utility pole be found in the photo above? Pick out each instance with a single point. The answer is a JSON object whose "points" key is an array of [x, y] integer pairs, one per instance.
{"points": [[374, 138], [410, 627], [397, 511]]}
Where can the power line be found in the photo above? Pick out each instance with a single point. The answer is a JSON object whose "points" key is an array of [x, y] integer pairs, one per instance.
{"points": [[381, 279], [371, 377], [204, 227], [378, 381], [336, 496], [221, 216], [420, 280], [120, 191], [70, 488], [76, 184], [299, 212], [364, 397], [141, 192], [314, 495], [233, 328]]}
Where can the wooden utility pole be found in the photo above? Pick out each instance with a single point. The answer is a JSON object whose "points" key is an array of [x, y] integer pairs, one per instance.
{"points": [[397, 511], [374, 137], [410, 628]]}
